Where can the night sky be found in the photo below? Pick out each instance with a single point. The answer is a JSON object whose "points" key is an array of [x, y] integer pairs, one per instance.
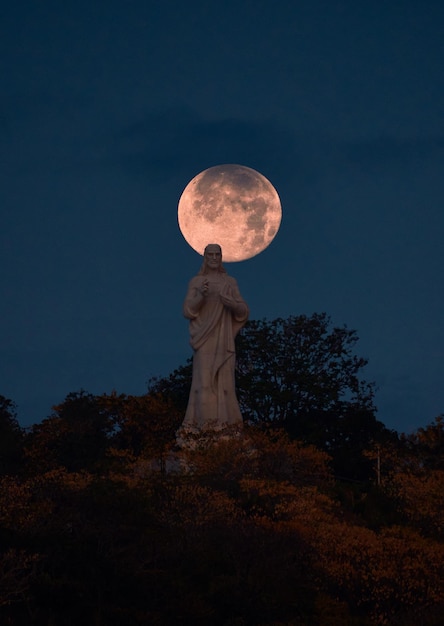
{"points": [[109, 109]]}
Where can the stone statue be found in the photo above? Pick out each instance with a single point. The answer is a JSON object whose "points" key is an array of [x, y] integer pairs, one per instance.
{"points": [[216, 312]]}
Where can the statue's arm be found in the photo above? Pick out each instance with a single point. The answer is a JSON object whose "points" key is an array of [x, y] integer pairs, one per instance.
{"points": [[194, 299], [236, 303]]}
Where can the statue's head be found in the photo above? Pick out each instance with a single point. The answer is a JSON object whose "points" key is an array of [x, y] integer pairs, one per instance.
{"points": [[212, 259]]}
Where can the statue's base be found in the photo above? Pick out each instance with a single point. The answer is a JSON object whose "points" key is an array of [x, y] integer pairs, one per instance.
{"points": [[192, 437]]}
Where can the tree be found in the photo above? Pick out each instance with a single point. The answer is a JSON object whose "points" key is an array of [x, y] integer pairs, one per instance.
{"points": [[175, 387], [301, 374], [414, 478], [11, 437], [300, 367], [427, 444], [145, 425], [76, 436]]}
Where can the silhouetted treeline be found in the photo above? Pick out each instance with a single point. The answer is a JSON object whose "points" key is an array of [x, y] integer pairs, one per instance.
{"points": [[314, 514]]}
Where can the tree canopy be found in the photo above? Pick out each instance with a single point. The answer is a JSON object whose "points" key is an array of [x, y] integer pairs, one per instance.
{"points": [[11, 437]]}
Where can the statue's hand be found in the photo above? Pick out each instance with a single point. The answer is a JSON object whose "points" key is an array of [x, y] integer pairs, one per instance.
{"points": [[203, 289], [228, 301]]}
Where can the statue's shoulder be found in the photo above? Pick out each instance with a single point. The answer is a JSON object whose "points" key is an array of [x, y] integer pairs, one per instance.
{"points": [[230, 280], [196, 280]]}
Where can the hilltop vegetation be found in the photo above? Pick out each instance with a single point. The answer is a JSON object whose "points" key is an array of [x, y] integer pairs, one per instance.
{"points": [[314, 513]]}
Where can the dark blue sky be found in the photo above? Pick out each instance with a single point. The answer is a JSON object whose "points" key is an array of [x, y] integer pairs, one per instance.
{"points": [[109, 109]]}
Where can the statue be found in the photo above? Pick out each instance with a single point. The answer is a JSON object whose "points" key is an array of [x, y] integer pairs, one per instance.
{"points": [[216, 312]]}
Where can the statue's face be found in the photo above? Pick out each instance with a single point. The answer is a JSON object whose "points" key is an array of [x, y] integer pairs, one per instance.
{"points": [[213, 256]]}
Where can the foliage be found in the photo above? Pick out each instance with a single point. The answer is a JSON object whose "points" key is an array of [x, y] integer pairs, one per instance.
{"points": [[107, 520], [268, 455], [298, 365], [300, 374], [144, 425], [427, 444], [75, 436], [175, 388], [11, 437], [420, 498], [413, 478], [242, 528]]}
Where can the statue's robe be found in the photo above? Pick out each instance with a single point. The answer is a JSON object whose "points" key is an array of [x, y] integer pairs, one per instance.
{"points": [[213, 328]]}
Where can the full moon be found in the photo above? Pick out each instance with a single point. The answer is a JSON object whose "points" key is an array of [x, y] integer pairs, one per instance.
{"points": [[232, 205]]}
